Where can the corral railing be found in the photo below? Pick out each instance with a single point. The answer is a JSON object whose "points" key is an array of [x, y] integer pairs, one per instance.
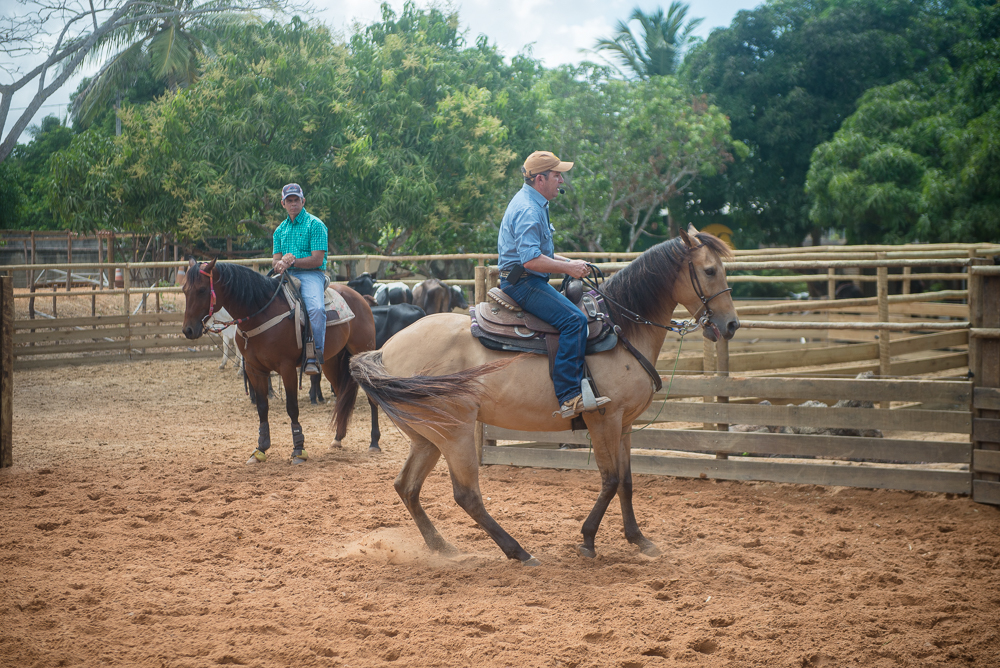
{"points": [[926, 406], [941, 430]]}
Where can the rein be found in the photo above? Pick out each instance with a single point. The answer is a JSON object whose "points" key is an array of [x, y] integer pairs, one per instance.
{"points": [[680, 327], [217, 327]]}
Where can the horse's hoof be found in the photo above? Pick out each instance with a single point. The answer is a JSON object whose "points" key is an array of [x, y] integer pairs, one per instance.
{"points": [[446, 549], [300, 457], [336, 444], [585, 551], [258, 457], [531, 561], [374, 448], [649, 549]]}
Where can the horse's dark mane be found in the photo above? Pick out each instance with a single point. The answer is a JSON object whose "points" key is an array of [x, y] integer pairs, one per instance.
{"points": [[639, 287], [245, 285]]}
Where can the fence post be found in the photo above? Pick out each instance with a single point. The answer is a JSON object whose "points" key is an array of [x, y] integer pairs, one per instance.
{"points": [[984, 363], [722, 369], [884, 354], [127, 298], [479, 295], [6, 370]]}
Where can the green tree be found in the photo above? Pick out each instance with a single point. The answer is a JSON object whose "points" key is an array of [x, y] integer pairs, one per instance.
{"points": [[919, 159], [787, 74], [636, 145], [66, 33], [30, 166], [211, 158], [658, 49]]}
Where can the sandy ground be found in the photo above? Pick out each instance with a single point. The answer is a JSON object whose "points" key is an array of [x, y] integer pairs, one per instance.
{"points": [[133, 534]]}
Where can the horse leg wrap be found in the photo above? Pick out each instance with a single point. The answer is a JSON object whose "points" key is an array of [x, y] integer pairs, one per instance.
{"points": [[264, 437], [298, 445]]}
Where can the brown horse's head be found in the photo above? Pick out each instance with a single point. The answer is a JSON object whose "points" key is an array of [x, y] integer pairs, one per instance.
{"points": [[702, 288], [199, 297]]}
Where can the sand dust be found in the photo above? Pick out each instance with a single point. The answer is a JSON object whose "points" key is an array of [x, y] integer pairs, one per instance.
{"points": [[133, 534]]}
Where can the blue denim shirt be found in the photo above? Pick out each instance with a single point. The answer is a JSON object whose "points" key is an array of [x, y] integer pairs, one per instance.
{"points": [[525, 231]]}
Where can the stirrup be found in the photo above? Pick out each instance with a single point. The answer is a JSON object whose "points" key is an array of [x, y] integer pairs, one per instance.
{"points": [[311, 368], [577, 405]]}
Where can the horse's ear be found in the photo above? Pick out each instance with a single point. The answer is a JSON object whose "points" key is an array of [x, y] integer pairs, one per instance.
{"points": [[687, 239], [192, 264], [210, 266], [691, 230]]}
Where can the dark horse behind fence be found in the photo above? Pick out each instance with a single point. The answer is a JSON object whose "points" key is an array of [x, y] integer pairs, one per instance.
{"points": [[435, 381], [246, 294]]}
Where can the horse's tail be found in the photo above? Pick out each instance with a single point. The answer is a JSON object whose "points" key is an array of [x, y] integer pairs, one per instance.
{"points": [[347, 393], [420, 399]]}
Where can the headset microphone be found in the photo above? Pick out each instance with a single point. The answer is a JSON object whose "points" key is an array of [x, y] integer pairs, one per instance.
{"points": [[562, 191]]}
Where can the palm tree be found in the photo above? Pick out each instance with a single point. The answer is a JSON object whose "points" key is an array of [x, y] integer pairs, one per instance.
{"points": [[664, 38], [165, 44]]}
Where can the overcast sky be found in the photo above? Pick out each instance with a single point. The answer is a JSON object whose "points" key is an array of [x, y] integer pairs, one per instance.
{"points": [[554, 31]]}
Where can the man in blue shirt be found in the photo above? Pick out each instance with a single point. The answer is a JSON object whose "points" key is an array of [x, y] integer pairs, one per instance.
{"points": [[527, 256], [300, 245]]}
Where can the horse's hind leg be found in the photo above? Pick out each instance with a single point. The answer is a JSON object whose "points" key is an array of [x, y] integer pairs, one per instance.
{"points": [[632, 532], [420, 462], [463, 465]]}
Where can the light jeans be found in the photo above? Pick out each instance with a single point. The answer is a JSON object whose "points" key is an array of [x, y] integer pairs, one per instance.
{"points": [[313, 287]]}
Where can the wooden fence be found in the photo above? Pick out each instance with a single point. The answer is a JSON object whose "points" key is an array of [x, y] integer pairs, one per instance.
{"points": [[6, 370], [920, 347]]}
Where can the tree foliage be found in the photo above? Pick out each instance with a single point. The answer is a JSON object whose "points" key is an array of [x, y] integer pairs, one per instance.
{"points": [[636, 145], [658, 49], [66, 32], [788, 73], [920, 159]]}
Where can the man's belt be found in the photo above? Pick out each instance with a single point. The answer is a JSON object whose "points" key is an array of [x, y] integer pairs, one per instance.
{"points": [[513, 275]]}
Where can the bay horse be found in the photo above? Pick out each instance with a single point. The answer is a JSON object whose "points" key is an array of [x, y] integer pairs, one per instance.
{"points": [[246, 294], [435, 380]]}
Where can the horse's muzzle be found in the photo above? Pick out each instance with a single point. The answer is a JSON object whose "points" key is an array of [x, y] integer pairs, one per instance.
{"points": [[193, 332]]}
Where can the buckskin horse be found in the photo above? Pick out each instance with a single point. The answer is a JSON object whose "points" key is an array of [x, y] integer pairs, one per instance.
{"points": [[435, 381], [254, 300]]}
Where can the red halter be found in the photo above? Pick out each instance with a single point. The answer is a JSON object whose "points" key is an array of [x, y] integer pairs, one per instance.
{"points": [[211, 286]]}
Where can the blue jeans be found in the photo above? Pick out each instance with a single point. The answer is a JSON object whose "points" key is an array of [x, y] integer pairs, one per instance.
{"points": [[537, 297], [313, 287]]}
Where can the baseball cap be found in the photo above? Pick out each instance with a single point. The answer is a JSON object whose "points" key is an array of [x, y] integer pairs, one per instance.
{"points": [[543, 161], [291, 189]]}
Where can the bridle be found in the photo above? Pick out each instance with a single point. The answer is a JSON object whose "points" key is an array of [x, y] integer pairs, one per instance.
{"points": [[696, 284], [217, 327]]}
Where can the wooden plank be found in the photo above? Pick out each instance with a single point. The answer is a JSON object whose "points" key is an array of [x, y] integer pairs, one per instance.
{"points": [[790, 445], [948, 392], [873, 477], [798, 416], [986, 461], [103, 346], [6, 371], [65, 323], [920, 367], [986, 398], [62, 336], [90, 360], [922, 342], [986, 430], [986, 491]]}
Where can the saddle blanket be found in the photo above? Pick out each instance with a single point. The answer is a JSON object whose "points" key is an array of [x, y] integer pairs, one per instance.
{"points": [[337, 310]]}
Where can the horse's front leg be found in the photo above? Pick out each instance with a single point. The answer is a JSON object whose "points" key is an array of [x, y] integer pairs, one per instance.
{"points": [[289, 378], [632, 532], [258, 381], [605, 433]]}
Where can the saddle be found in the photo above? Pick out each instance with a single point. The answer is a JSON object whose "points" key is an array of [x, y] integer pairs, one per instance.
{"points": [[337, 310], [500, 324]]}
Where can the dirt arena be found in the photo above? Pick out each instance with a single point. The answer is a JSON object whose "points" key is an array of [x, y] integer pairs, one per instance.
{"points": [[133, 534]]}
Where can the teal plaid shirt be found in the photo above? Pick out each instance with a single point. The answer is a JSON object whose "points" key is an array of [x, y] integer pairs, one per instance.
{"points": [[301, 237]]}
